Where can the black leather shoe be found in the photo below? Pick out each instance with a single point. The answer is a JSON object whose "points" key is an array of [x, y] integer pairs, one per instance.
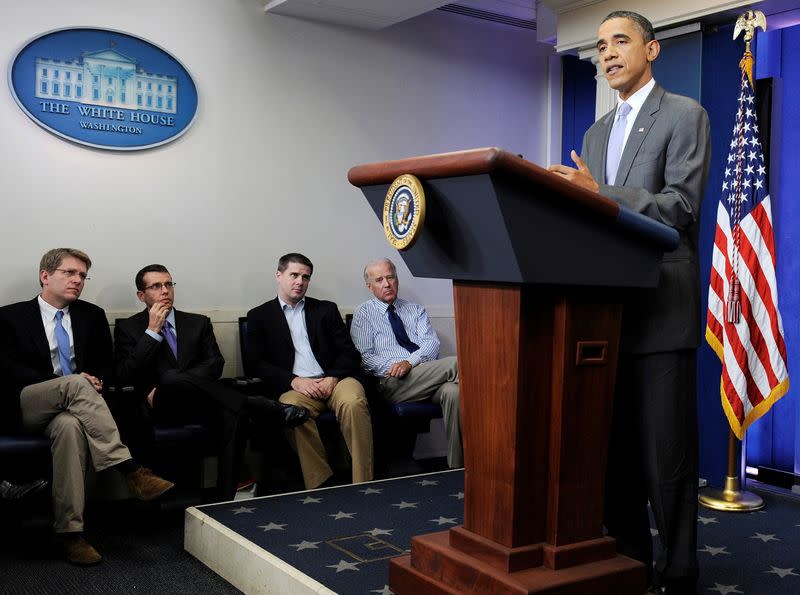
{"points": [[288, 415], [10, 491], [295, 415]]}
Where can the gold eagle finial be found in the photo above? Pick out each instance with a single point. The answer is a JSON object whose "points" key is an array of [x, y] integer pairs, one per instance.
{"points": [[749, 22]]}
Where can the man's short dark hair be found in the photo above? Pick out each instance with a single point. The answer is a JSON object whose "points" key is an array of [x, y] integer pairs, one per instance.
{"points": [[644, 26], [284, 261], [52, 259], [150, 268]]}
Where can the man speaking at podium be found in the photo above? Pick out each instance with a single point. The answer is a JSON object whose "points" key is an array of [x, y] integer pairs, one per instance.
{"points": [[652, 155]]}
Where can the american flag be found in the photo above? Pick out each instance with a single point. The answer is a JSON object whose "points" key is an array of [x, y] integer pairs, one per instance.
{"points": [[744, 324]]}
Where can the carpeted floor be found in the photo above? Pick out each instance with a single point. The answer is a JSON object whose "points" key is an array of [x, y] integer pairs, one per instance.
{"points": [[342, 537], [142, 546]]}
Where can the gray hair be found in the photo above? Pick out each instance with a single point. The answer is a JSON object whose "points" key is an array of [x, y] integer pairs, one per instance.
{"points": [[378, 261]]}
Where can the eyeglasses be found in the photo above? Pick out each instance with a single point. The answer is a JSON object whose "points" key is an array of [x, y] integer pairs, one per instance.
{"points": [[74, 273], [160, 286]]}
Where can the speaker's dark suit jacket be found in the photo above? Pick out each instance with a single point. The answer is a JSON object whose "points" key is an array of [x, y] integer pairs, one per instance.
{"points": [[142, 361], [25, 353], [270, 350], [662, 174]]}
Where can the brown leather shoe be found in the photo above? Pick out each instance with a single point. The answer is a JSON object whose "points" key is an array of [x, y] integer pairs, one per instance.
{"points": [[78, 551], [146, 486]]}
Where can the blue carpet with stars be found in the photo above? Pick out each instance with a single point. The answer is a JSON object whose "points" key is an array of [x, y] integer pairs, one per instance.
{"points": [[343, 537], [755, 553]]}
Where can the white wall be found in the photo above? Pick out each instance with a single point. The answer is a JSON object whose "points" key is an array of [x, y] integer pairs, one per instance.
{"points": [[578, 22], [286, 108]]}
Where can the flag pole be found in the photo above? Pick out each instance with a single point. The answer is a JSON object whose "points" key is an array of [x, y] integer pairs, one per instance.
{"points": [[731, 498]]}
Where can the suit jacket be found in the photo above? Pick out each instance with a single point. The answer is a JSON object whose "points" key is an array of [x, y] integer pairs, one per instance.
{"points": [[270, 351], [25, 352], [144, 362], [662, 174]]}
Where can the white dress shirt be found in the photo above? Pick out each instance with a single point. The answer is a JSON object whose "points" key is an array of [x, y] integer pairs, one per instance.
{"points": [[305, 364], [636, 101]]}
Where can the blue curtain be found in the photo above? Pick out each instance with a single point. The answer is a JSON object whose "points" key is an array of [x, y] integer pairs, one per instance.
{"points": [[579, 90], [772, 442]]}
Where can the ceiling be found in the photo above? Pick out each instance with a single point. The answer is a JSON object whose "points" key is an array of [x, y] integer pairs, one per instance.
{"points": [[378, 14]]}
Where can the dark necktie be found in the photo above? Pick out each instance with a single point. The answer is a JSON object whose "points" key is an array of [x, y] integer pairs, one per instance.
{"points": [[62, 340], [169, 335], [400, 331]]}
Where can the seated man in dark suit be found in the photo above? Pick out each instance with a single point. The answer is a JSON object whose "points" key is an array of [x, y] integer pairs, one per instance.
{"points": [[55, 351], [172, 357], [301, 349]]}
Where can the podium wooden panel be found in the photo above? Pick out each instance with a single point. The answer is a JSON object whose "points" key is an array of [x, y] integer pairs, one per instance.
{"points": [[537, 333]]}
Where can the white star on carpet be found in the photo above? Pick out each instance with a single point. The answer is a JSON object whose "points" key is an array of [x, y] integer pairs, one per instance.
{"points": [[343, 565], [764, 537], [403, 504], [310, 500], [272, 527], [428, 482], [715, 550], [707, 519], [782, 572], [385, 591], [369, 491], [444, 521], [305, 545], [342, 515], [375, 532], [725, 589], [459, 495], [243, 510]]}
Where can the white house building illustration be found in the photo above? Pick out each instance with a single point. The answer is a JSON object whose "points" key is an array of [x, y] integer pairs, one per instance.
{"points": [[108, 78]]}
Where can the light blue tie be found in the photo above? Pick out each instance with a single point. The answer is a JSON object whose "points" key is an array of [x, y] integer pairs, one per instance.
{"points": [[616, 142], [62, 339]]}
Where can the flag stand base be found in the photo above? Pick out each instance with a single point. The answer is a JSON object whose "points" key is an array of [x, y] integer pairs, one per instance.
{"points": [[731, 498]]}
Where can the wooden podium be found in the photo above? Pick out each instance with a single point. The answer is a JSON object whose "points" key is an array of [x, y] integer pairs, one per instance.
{"points": [[538, 267]]}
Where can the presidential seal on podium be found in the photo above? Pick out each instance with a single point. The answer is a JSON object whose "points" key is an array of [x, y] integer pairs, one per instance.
{"points": [[404, 211]]}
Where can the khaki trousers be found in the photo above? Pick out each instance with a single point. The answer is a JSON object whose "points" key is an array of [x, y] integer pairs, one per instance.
{"points": [[349, 404], [76, 419], [436, 380]]}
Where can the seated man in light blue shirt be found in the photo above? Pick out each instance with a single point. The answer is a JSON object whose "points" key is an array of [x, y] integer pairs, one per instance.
{"points": [[400, 347]]}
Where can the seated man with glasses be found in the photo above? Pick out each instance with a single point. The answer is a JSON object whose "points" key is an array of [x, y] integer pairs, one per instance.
{"points": [[55, 351], [172, 358]]}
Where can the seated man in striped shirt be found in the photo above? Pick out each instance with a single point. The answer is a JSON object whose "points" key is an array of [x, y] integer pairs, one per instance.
{"points": [[400, 347]]}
